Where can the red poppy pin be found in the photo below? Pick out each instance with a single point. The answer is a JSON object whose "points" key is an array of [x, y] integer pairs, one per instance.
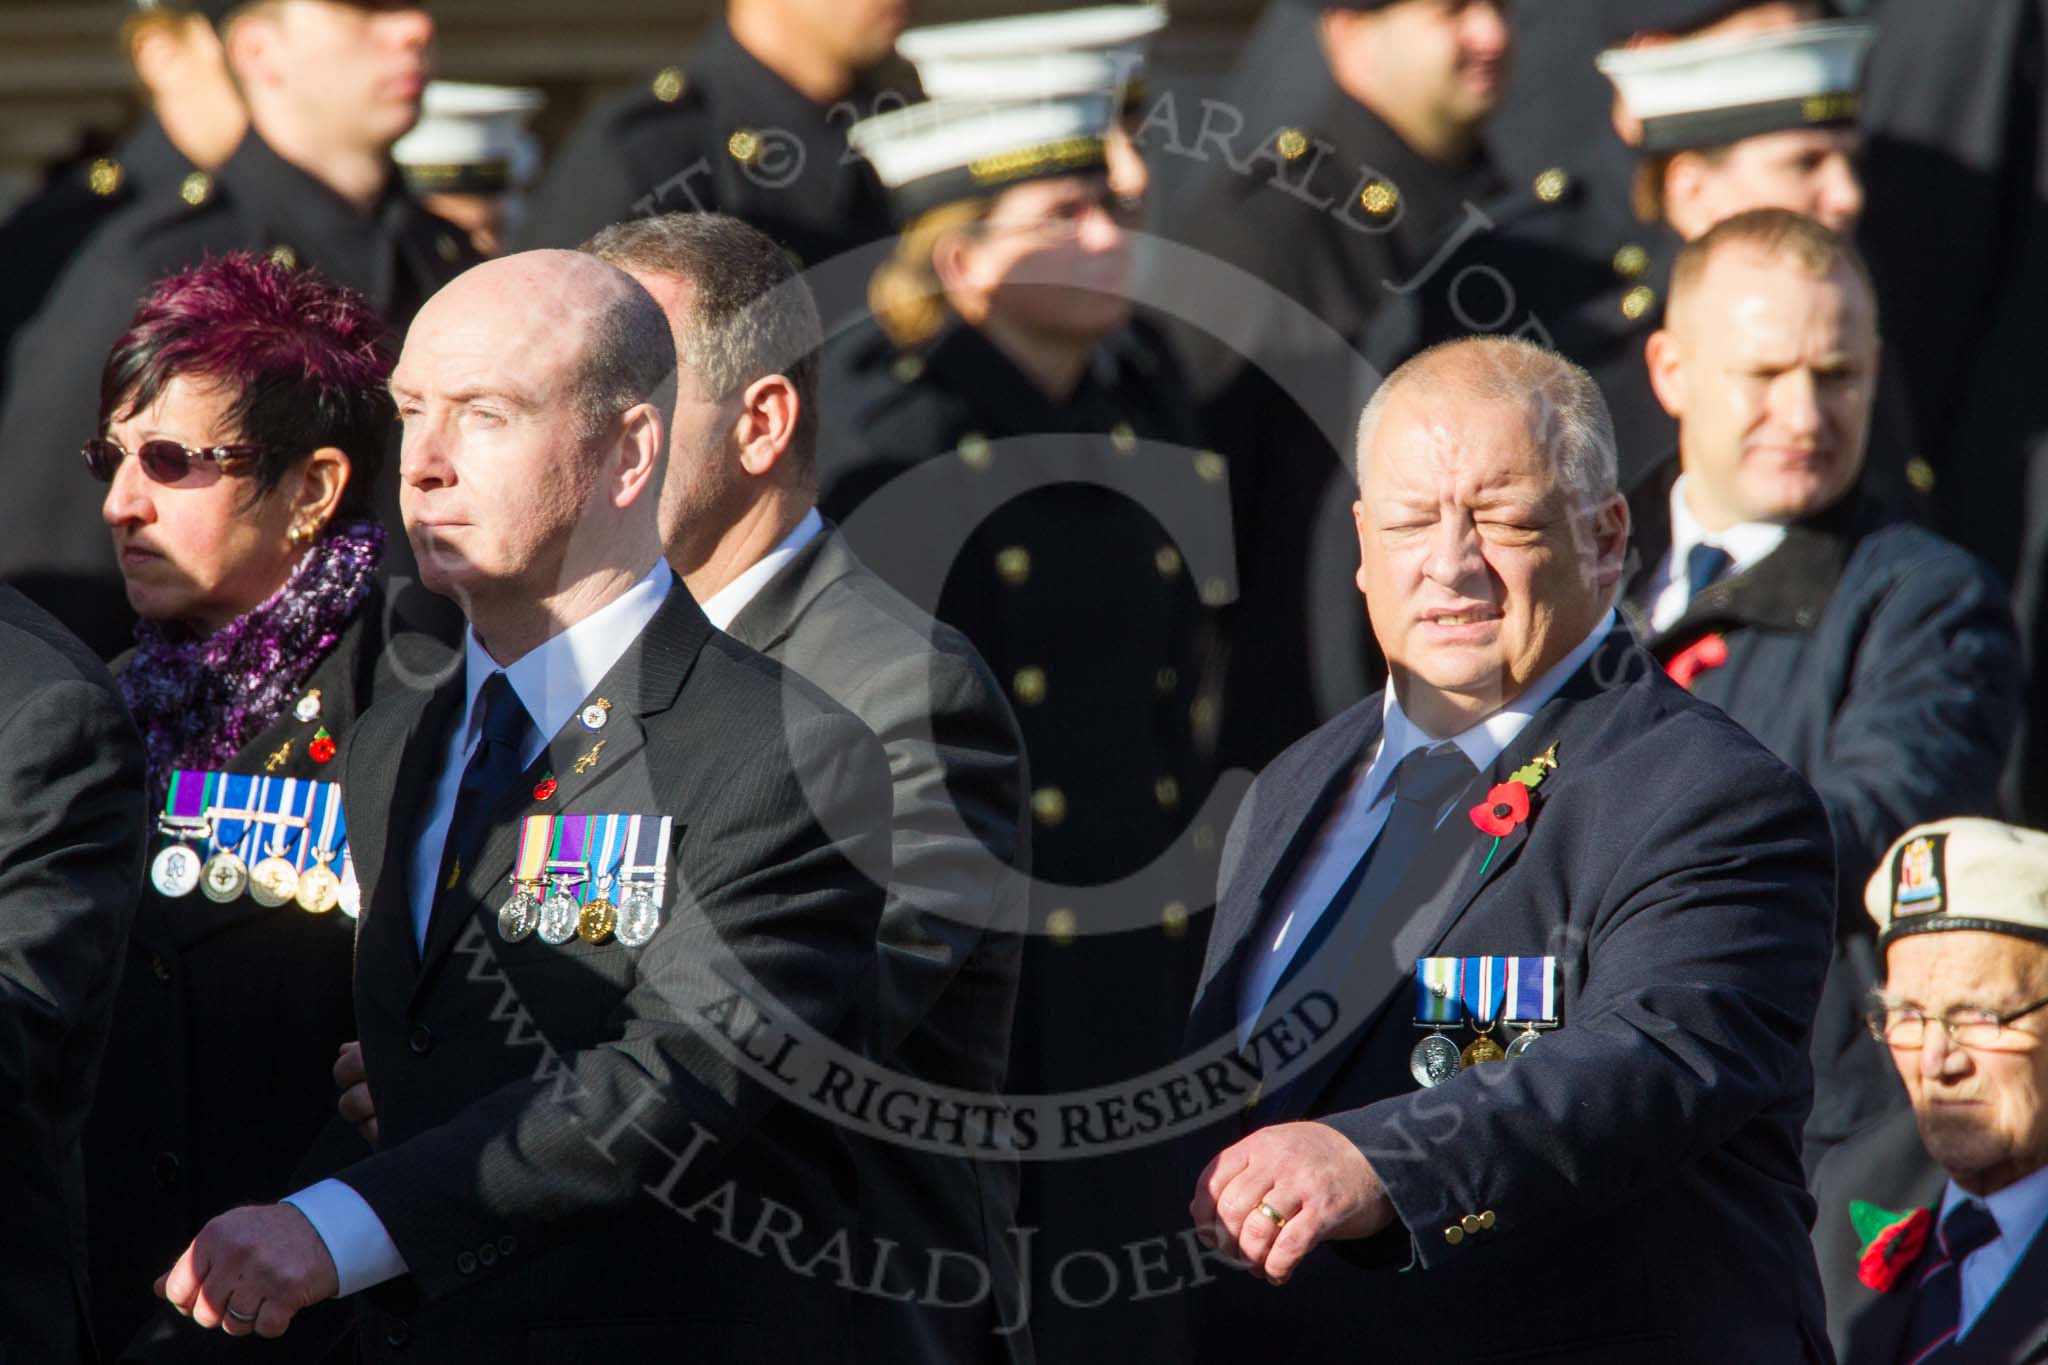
{"points": [[544, 788], [322, 747], [1507, 804], [1891, 1242], [1709, 651]]}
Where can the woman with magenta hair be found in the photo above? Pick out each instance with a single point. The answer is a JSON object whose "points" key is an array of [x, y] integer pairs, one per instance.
{"points": [[242, 421]]}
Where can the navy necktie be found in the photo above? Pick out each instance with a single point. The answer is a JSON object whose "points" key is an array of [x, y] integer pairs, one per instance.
{"points": [[1703, 564], [493, 770], [1938, 1300]]}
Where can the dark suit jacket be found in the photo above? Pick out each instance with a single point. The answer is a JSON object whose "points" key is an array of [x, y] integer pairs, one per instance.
{"points": [[1880, 661], [950, 944], [72, 824], [218, 1087], [1642, 1161], [1885, 1164], [573, 1162]]}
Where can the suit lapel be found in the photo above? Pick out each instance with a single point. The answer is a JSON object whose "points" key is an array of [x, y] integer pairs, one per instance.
{"points": [[1286, 825], [774, 611], [643, 683], [384, 818]]}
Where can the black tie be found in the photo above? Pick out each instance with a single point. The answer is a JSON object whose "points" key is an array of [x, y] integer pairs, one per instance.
{"points": [[1938, 1301], [1703, 564], [493, 770], [1425, 781]]}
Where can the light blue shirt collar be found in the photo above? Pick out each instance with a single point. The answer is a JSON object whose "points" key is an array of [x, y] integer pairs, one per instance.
{"points": [[1484, 742]]}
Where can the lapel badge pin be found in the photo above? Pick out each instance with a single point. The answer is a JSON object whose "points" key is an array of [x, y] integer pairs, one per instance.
{"points": [[589, 760], [308, 708], [544, 788], [278, 757], [596, 714]]}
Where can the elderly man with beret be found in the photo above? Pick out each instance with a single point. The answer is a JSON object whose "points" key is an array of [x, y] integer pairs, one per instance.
{"points": [[1928, 1233]]}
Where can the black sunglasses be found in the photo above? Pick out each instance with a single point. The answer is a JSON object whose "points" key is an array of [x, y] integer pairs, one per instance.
{"points": [[166, 462]]}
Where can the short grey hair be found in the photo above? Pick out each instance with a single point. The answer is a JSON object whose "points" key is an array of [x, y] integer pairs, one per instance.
{"points": [[1567, 413], [628, 359], [751, 314]]}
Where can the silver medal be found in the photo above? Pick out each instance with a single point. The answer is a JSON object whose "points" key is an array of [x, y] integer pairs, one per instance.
{"points": [[1434, 1060], [519, 916], [639, 917], [1522, 1043], [559, 914], [175, 871]]}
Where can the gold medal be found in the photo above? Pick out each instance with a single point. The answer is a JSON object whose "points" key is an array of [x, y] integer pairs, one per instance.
{"points": [[319, 890], [1481, 1049], [597, 921], [224, 878], [273, 881]]}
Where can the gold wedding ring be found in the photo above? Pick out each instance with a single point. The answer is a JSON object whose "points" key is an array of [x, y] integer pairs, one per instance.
{"points": [[1279, 1218]]}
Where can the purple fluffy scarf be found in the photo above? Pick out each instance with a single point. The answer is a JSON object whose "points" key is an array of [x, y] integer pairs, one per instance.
{"points": [[199, 701]]}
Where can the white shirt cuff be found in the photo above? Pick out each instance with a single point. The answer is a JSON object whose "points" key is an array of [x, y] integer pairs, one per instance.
{"points": [[363, 1252]]}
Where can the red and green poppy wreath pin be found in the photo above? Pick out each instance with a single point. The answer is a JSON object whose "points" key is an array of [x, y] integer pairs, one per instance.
{"points": [[1507, 804], [1891, 1242]]}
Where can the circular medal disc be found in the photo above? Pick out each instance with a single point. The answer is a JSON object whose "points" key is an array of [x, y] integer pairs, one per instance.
{"points": [[226, 877], [308, 709], [1434, 1060], [639, 917], [175, 871], [273, 881], [1522, 1043], [519, 916], [597, 921], [319, 891], [593, 717], [1480, 1050], [558, 916]]}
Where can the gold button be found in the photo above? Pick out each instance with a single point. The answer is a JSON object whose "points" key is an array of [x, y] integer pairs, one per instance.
{"points": [[1211, 467], [1920, 474], [1202, 713], [1379, 198], [1049, 805], [1123, 437], [196, 188], [1454, 1234], [282, 255], [445, 243], [1166, 679], [1292, 143], [974, 450], [1013, 562], [1638, 301], [1166, 791], [105, 177], [669, 84], [1060, 926], [1174, 920], [1215, 592], [1551, 185], [1029, 685], [745, 146], [907, 369], [1470, 1222], [1632, 262], [1486, 1220], [1166, 559]]}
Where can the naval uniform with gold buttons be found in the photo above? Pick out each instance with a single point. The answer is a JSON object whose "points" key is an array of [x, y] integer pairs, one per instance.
{"points": [[1091, 614], [53, 545], [720, 132], [50, 227], [1329, 210], [216, 1087]]}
